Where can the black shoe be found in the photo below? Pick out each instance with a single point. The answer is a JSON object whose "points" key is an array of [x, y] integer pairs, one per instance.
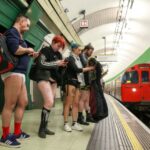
{"points": [[48, 132], [42, 134], [83, 122], [89, 118]]}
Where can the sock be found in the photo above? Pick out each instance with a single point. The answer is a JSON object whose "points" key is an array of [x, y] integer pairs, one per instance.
{"points": [[74, 122], [6, 132], [17, 128], [65, 122]]}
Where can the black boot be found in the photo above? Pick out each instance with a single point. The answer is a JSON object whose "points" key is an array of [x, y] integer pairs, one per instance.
{"points": [[89, 117], [41, 132], [47, 131], [43, 125], [81, 119]]}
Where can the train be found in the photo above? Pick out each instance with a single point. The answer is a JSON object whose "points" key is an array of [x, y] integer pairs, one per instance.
{"points": [[132, 88]]}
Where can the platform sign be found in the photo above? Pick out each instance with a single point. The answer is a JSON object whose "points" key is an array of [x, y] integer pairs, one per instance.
{"points": [[84, 23], [107, 58]]}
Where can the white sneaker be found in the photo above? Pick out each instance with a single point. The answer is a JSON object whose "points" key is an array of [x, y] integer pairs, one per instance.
{"points": [[67, 128], [77, 127]]}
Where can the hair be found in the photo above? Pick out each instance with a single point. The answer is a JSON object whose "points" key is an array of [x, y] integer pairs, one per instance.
{"points": [[92, 62], [59, 39], [19, 17], [88, 47]]}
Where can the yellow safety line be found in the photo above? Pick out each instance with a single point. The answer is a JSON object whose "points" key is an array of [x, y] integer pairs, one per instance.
{"points": [[133, 139]]}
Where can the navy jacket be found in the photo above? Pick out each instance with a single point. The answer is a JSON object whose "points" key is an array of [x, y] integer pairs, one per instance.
{"points": [[13, 40]]}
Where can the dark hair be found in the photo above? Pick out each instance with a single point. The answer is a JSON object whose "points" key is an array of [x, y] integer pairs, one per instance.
{"points": [[19, 17], [88, 47], [92, 62]]}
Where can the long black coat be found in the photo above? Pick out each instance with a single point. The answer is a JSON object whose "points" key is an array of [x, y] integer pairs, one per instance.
{"points": [[99, 109]]}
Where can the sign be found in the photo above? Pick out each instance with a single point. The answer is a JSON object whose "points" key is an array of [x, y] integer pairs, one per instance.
{"points": [[84, 24]]}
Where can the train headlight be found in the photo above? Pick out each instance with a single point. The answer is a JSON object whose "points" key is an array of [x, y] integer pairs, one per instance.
{"points": [[133, 89]]}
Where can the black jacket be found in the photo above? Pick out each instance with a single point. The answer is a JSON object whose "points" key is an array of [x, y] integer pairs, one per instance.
{"points": [[98, 104], [72, 69], [45, 66]]}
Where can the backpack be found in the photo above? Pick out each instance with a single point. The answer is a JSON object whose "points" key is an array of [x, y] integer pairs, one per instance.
{"points": [[7, 60]]}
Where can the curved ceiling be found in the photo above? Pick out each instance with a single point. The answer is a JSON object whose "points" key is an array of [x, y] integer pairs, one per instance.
{"points": [[97, 18], [133, 38]]}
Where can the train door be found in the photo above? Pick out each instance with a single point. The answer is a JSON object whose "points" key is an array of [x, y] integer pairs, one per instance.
{"points": [[145, 84], [130, 87]]}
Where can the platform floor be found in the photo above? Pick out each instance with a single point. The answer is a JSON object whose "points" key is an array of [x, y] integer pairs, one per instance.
{"points": [[121, 130], [60, 141]]}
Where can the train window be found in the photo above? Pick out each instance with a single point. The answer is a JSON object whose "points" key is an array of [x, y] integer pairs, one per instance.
{"points": [[125, 77], [145, 76], [130, 77]]}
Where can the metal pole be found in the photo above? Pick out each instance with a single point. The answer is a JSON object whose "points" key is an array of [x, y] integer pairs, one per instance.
{"points": [[105, 45]]}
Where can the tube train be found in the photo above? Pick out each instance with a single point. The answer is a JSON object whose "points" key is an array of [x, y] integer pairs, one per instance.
{"points": [[133, 87]]}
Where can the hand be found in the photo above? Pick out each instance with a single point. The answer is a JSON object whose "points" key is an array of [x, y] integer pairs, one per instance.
{"points": [[91, 68], [30, 50], [34, 54], [61, 63]]}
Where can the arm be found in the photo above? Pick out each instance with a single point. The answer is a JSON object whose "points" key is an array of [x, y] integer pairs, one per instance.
{"points": [[73, 65], [104, 73], [12, 40], [21, 50], [41, 61]]}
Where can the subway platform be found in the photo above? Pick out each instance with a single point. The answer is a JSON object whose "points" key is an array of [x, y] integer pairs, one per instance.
{"points": [[121, 130]]}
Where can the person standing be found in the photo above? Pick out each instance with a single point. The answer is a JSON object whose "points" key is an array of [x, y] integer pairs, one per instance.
{"points": [[47, 74], [98, 104], [74, 79], [85, 90], [15, 92]]}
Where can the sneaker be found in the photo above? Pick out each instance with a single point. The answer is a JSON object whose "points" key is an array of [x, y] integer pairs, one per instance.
{"points": [[67, 128], [77, 127], [22, 135], [10, 141]]}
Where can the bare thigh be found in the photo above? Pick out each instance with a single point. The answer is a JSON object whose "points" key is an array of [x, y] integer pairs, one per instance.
{"points": [[77, 96], [12, 89], [54, 88], [84, 95], [46, 91], [70, 94]]}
